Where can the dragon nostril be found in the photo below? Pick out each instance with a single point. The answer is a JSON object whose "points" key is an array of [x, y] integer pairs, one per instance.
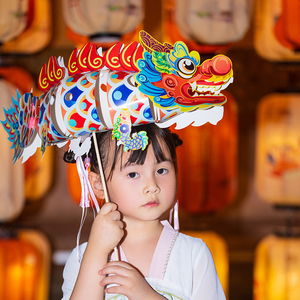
{"points": [[221, 65]]}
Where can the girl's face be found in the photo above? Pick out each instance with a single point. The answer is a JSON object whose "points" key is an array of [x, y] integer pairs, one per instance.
{"points": [[143, 192]]}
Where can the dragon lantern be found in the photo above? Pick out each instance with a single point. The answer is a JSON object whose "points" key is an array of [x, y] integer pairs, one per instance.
{"points": [[146, 82]]}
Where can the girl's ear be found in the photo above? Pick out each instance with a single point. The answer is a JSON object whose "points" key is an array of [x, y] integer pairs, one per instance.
{"points": [[96, 184]]}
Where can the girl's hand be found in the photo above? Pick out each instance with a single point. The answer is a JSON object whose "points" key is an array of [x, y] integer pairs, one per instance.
{"points": [[107, 229], [129, 282]]}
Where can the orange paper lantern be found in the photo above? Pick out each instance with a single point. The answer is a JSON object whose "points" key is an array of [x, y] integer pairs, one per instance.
{"points": [[37, 33], [38, 172], [277, 269], [276, 30], [207, 163], [277, 159], [24, 266], [206, 26], [102, 23]]}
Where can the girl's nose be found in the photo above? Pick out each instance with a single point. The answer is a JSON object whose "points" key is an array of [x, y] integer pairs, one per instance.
{"points": [[152, 188]]}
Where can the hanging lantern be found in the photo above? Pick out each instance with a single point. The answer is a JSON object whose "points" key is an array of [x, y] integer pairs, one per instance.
{"points": [[277, 269], [276, 30], [12, 176], [103, 22], [219, 250], [38, 31], [205, 25], [13, 18], [38, 171], [277, 160], [207, 163], [24, 265]]}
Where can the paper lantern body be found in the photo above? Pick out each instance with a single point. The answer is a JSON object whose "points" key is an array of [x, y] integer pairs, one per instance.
{"points": [[12, 175], [206, 26], [13, 18], [207, 162], [101, 22], [38, 171], [277, 160], [24, 266], [277, 269], [219, 250], [275, 30], [38, 31]]}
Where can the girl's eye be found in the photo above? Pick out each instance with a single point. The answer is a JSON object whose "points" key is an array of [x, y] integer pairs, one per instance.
{"points": [[161, 171], [133, 175]]}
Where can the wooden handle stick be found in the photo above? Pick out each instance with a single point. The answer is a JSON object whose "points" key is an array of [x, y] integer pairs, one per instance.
{"points": [[103, 181]]}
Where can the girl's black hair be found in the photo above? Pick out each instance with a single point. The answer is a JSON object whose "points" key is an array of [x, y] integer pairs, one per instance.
{"points": [[156, 136]]}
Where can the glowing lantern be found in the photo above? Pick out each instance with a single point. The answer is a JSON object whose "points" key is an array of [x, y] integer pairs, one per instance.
{"points": [[12, 176], [102, 22], [13, 18], [277, 161], [276, 36], [204, 25], [38, 172], [219, 250], [277, 269], [207, 162], [24, 265], [38, 31]]}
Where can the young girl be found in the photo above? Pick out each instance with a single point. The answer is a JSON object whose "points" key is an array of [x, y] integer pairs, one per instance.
{"points": [[156, 262]]}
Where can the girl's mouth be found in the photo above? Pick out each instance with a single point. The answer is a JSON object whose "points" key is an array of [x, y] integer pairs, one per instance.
{"points": [[151, 204]]}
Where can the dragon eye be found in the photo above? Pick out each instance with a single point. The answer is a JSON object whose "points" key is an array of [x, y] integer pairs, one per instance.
{"points": [[186, 66]]}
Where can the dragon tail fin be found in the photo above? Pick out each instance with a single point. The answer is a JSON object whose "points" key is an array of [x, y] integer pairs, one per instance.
{"points": [[21, 122], [11, 126]]}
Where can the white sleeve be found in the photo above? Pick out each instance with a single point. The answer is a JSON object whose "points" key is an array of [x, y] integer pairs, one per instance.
{"points": [[71, 271], [205, 278]]}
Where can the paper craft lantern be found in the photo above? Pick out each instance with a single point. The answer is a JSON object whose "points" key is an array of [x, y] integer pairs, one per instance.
{"points": [[37, 34], [24, 266], [103, 22], [277, 159], [276, 30], [219, 250], [204, 25], [207, 162], [277, 269], [13, 18], [12, 176]]}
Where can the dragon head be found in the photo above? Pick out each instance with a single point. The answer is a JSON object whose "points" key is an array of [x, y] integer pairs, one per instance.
{"points": [[174, 78]]}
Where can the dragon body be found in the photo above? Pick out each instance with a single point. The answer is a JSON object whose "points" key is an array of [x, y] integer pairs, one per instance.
{"points": [[144, 83]]}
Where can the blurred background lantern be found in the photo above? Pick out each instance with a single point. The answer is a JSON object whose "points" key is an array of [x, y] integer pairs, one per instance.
{"points": [[103, 22], [24, 265], [13, 18], [37, 171], [12, 175], [207, 163], [276, 30], [277, 268], [219, 250], [207, 26], [37, 30], [277, 159]]}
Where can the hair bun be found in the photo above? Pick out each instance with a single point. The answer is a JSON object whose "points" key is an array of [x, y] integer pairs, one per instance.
{"points": [[69, 157], [177, 140]]}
